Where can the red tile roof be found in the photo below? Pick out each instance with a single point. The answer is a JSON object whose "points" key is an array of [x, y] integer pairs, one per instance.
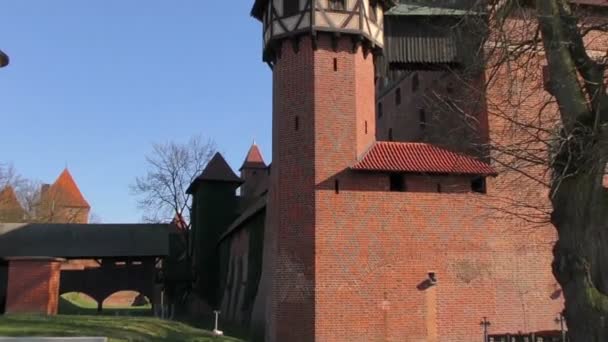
{"points": [[419, 158], [8, 199], [65, 192], [254, 158]]}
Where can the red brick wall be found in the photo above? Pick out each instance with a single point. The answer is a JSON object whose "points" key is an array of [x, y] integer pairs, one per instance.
{"points": [[291, 211], [374, 250], [33, 286]]}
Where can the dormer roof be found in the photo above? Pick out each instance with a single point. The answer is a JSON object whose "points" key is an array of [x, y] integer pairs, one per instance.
{"points": [[254, 158], [217, 170]]}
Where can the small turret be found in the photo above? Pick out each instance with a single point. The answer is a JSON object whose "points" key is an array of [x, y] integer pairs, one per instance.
{"points": [[253, 171], [214, 205]]}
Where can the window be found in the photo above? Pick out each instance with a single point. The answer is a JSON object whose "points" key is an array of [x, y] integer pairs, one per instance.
{"points": [[297, 123], [390, 134], [422, 114], [397, 182], [380, 110], [439, 187], [365, 126], [479, 185], [546, 79], [337, 186], [398, 96], [373, 11], [290, 7], [415, 83], [338, 5], [335, 64], [450, 88]]}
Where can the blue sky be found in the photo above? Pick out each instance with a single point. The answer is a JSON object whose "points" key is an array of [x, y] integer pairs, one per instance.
{"points": [[93, 83]]}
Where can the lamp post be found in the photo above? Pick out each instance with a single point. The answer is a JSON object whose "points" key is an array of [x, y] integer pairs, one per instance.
{"points": [[216, 331], [560, 320], [485, 324]]}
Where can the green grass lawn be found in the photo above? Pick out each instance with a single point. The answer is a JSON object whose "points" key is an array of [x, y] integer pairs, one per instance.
{"points": [[115, 328], [76, 304]]}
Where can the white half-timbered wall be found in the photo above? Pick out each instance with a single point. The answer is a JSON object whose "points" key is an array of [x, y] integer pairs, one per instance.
{"points": [[315, 15]]}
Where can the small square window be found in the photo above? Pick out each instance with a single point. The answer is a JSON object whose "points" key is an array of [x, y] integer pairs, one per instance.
{"points": [[337, 5], [290, 7], [397, 182], [479, 185]]}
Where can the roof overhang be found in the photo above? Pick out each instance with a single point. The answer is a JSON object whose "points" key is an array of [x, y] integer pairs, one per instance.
{"points": [[86, 241], [420, 158]]}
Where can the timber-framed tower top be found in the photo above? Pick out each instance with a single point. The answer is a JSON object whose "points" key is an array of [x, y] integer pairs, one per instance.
{"points": [[362, 20]]}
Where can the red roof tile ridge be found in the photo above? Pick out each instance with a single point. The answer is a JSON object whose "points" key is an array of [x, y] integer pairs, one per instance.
{"points": [[254, 157], [66, 188]]}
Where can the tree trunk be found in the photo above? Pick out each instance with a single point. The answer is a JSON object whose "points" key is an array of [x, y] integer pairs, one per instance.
{"points": [[580, 202]]}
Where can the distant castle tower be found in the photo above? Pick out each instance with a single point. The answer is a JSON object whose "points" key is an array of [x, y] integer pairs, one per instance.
{"points": [[10, 208], [62, 202], [253, 171]]}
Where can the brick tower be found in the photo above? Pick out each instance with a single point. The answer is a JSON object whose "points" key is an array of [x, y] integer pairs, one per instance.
{"points": [[321, 54]]}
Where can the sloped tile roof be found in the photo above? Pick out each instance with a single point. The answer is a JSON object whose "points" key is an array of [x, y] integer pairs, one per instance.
{"points": [[254, 158], [419, 158], [8, 199], [216, 170], [65, 192]]}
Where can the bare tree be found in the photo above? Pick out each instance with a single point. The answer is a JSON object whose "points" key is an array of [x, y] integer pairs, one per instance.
{"points": [[173, 167], [545, 80]]}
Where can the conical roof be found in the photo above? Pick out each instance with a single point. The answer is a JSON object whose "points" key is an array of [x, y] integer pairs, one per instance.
{"points": [[10, 208], [254, 158], [65, 192], [217, 170], [8, 199]]}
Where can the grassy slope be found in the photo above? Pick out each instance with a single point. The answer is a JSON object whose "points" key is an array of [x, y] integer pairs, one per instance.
{"points": [[116, 328]]}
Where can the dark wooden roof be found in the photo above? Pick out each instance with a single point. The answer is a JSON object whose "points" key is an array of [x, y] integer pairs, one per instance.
{"points": [[84, 240], [217, 170], [4, 60]]}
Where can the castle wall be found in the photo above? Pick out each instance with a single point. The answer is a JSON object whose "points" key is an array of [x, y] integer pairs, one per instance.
{"points": [[374, 251]]}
